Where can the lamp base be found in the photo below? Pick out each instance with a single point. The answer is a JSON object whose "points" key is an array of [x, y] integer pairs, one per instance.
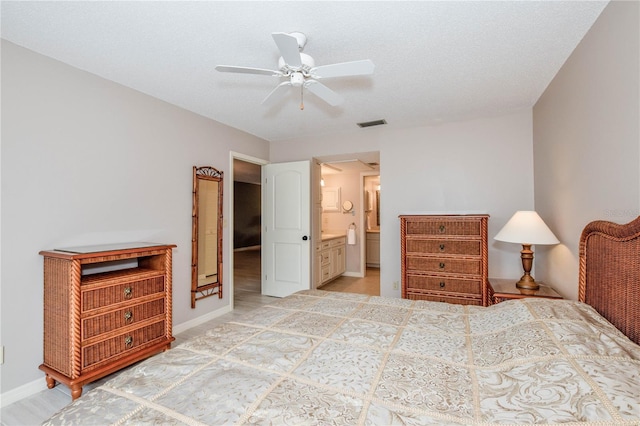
{"points": [[527, 283]]}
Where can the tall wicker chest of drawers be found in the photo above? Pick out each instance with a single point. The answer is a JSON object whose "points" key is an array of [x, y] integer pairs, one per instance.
{"points": [[445, 258], [105, 307]]}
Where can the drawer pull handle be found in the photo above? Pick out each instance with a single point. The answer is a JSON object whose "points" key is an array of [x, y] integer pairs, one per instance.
{"points": [[441, 284], [128, 342], [441, 265], [128, 317], [128, 291], [441, 247], [442, 229]]}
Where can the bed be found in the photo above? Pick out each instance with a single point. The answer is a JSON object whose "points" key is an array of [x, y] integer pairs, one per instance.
{"points": [[319, 357]]}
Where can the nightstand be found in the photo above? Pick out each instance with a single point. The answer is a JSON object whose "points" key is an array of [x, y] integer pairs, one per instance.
{"points": [[505, 289]]}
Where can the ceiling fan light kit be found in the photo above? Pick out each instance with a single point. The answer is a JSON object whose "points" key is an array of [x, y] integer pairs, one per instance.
{"points": [[299, 71], [297, 79]]}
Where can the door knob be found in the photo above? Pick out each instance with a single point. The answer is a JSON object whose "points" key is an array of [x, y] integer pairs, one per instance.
{"points": [[305, 238]]}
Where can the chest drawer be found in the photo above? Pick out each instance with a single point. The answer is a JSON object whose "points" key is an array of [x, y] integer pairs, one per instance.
{"points": [[455, 285], [444, 247], [444, 265], [444, 299], [115, 347], [443, 227], [110, 321], [100, 297]]}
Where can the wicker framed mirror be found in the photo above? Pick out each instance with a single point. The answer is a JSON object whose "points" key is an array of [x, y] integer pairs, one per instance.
{"points": [[206, 239]]}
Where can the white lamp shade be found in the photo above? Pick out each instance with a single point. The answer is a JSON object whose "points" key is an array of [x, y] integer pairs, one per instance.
{"points": [[526, 227]]}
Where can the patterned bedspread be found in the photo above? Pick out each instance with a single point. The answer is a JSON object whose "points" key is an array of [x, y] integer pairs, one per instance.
{"points": [[319, 357]]}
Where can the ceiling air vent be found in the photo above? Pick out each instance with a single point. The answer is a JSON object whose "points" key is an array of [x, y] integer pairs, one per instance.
{"points": [[372, 123]]}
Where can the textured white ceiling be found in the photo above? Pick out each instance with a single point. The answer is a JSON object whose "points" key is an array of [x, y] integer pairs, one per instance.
{"points": [[435, 60]]}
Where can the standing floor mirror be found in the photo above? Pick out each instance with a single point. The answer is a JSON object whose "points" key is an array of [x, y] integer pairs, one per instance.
{"points": [[206, 241]]}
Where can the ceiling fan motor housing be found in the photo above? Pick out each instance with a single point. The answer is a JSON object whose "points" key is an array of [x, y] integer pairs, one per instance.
{"points": [[300, 38]]}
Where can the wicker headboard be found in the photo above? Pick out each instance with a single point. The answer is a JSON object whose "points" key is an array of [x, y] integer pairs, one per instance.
{"points": [[609, 278]]}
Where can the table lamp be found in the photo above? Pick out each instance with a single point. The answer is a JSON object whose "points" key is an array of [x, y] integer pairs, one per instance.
{"points": [[526, 228]]}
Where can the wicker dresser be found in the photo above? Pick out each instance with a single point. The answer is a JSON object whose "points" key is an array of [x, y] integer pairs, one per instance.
{"points": [[445, 258], [105, 307]]}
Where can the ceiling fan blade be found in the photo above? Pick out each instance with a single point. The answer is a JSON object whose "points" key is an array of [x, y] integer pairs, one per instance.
{"points": [[343, 69], [247, 70], [288, 46], [323, 92], [277, 93]]}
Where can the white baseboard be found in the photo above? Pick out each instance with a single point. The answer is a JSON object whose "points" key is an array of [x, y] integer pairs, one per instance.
{"points": [[23, 391], [177, 329], [39, 385], [353, 274]]}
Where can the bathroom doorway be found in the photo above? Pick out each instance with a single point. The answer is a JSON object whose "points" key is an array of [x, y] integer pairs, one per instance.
{"points": [[344, 208]]}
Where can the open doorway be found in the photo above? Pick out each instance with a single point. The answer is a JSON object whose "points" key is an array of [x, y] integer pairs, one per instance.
{"points": [[346, 208], [244, 254], [261, 269], [246, 218]]}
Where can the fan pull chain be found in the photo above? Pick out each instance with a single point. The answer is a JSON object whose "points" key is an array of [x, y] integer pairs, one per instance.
{"points": [[301, 98]]}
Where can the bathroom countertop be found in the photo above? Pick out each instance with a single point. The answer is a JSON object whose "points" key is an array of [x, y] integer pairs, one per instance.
{"points": [[326, 237]]}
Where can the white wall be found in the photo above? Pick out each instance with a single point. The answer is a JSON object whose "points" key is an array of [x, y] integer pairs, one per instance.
{"points": [[87, 161], [586, 141], [484, 165]]}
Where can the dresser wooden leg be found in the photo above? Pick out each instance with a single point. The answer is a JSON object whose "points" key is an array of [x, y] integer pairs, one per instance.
{"points": [[51, 382], [76, 391]]}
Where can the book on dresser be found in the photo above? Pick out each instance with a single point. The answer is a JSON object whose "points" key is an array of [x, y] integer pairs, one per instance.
{"points": [[105, 307], [444, 258]]}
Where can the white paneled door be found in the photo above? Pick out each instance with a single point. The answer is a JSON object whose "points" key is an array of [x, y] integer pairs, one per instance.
{"points": [[286, 227]]}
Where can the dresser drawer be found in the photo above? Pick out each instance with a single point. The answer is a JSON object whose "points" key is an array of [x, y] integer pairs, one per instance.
{"points": [[106, 323], [107, 350], [444, 227], [100, 297], [454, 285], [446, 266], [444, 247], [444, 299]]}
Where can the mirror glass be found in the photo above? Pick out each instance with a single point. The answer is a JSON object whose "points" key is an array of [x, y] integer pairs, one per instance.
{"points": [[206, 242]]}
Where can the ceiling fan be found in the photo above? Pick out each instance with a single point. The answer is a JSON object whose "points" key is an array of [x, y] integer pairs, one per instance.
{"points": [[298, 70]]}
